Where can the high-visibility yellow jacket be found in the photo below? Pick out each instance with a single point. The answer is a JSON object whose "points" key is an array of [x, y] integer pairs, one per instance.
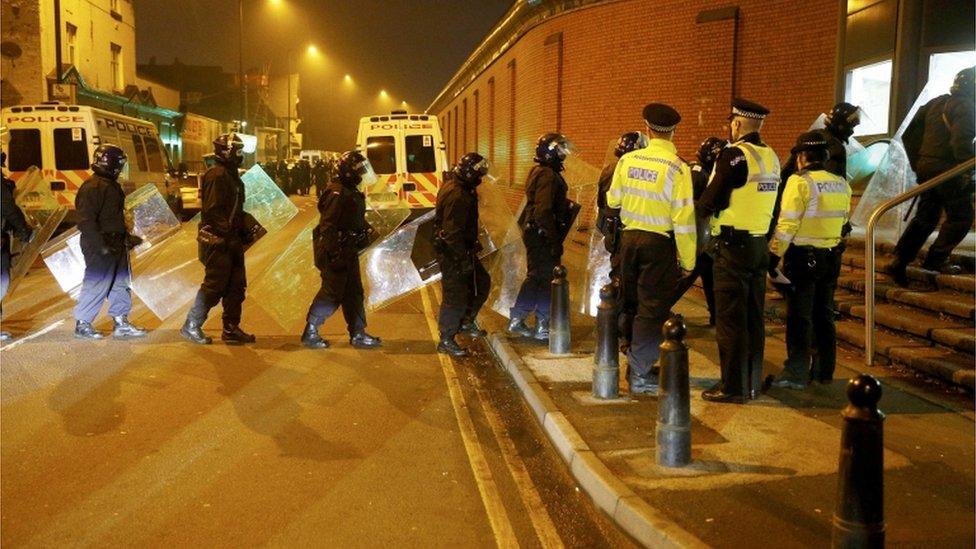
{"points": [[751, 205], [815, 207], [652, 187]]}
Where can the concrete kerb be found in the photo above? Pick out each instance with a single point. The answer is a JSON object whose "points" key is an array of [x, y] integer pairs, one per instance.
{"points": [[631, 513]]}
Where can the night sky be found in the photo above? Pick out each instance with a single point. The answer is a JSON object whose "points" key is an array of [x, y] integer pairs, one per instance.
{"points": [[410, 48]]}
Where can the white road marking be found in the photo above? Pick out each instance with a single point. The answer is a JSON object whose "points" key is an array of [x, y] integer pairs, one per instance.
{"points": [[176, 268], [38, 333], [490, 497]]}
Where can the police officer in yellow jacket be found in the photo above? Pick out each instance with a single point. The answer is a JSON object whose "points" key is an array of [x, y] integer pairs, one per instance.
{"points": [[814, 209], [740, 198], [652, 188]]}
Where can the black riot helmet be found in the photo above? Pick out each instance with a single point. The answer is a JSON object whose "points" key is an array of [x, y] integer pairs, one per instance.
{"points": [[964, 85], [354, 168], [551, 149], [108, 161], [471, 168], [709, 150], [842, 119], [229, 148], [630, 141]]}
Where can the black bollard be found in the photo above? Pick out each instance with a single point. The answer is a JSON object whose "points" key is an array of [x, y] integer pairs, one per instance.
{"points": [[859, 517], [606, 369], [559, 340], [674, 398]]}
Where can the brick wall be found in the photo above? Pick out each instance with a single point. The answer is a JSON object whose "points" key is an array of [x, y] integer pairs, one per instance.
{"points": [[591, 71]]}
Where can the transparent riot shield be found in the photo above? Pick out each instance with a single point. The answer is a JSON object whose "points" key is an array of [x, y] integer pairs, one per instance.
{"points": [[149, 217], [288, 285], [893, 176], [405, 261], [166, 277], [508, 268], [597, 267], [64, 259], [43, 213], [265, 201], [383, 221]]}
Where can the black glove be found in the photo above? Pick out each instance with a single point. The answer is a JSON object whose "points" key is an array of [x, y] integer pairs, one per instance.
{"points": [[131, 241], [773, 263], [26, 235]]}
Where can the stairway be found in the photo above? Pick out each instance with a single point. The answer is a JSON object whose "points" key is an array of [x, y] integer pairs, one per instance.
{"points": [[928, 327]]}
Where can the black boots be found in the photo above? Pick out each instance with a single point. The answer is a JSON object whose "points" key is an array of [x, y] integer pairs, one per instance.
{"points": [[470, 328], [517, 327], [312, 339], [448, 346], [362, 340], [5, 336], [234, 335], [126, 330], [192, 332], [541, 332], [717, 394], [85, 330]]}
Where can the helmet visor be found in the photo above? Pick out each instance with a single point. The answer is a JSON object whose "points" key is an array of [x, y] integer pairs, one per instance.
{"points": [[366, 173], [563, 147]]}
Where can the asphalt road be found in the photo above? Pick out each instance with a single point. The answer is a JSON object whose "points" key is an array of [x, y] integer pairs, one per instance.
{"points": [[157, 442]]}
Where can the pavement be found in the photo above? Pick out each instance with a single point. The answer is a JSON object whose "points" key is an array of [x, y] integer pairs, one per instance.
{"points": [[762, 471], [157, 442]]}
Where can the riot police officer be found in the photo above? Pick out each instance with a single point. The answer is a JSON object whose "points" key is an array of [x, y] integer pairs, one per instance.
{"points": [[947, 131], [464, 280], [105, 244], [701, 171], [814, 210], [545, 223], [652, 188], [608, 219], [740, 198], [225, 230], [837, 131], [341, 233], [12, 222]]}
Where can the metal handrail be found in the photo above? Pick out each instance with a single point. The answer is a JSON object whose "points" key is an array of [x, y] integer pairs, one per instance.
{"points": [[869, 247]]}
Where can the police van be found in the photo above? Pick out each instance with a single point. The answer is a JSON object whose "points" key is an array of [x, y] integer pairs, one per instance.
{"points": [[61, 139], [407, 154]]}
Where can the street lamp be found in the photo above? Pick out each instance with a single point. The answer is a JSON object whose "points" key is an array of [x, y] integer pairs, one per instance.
{"points": [[312, 51]]}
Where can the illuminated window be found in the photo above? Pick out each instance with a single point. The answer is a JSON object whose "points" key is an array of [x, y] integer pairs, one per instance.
{"points": [[117, 79], [71, 36], [944, 66], [869, 87]]}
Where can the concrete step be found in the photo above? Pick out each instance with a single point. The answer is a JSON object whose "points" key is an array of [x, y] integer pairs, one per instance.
{"points": [[919, 277], [924, 352], [947, 302], [950, 332]]}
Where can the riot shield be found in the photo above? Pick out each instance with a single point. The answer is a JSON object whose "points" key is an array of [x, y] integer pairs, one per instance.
{"points": [[150, 217], [64, 259], [166, 277], [288, 285], [43, 213], [597, 267], [383, 221], [405, 261], [265, 201]]}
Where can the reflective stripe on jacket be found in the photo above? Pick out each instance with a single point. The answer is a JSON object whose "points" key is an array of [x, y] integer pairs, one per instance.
{"points": [[652, 187], [814, 209], [751, 205]]}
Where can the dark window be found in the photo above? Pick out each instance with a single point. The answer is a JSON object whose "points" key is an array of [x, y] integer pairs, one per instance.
{"points": [[71, 149], [381, 152], [420, 154], [155, 156], [24, 150], [140, 153]]}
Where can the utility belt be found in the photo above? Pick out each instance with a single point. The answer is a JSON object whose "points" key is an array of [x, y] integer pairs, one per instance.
{"points": [[737, 237], [811, 256]]}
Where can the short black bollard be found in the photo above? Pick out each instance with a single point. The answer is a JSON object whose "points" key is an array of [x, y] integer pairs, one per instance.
{"points": [[606, 363], [674, 397], [559, 340], [859, 517]]}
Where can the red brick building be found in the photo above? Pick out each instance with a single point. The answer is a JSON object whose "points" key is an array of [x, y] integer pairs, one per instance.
{"points": [[587, 67]]}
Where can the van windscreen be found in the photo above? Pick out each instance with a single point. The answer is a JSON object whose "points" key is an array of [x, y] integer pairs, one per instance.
{"points": [[24, 150], [381, 152], [420, 154], [71, 149]]}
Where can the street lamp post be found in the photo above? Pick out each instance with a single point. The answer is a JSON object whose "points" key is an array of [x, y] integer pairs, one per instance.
{"points": [[240, 62]]}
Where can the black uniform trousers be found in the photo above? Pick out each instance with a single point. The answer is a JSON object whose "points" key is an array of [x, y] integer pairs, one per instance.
{"points": [[5, 262], [106, 277], [741, 262], [703, 269], [649, 278], [955, 197], [342, 286], [810, 314], [465, 290], [535, 294], [224, 282]]}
